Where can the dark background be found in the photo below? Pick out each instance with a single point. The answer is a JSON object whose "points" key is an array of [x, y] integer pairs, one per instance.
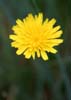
{"points": [[22, 79]]}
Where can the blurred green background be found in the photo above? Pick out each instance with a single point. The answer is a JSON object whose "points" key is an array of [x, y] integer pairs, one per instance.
{"points": [[22, 79]]}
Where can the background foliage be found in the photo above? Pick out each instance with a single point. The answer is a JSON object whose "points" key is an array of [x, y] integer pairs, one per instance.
{"points": [[22, 79]]}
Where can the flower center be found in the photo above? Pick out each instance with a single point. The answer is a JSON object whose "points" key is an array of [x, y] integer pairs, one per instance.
{"points": [[36, 43]]}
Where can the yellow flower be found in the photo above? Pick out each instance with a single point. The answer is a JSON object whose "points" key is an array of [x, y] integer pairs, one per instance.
{"points": [[33, 36]]}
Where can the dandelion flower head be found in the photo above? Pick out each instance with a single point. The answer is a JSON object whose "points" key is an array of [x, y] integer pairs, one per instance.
{"points": [[33, 36]]}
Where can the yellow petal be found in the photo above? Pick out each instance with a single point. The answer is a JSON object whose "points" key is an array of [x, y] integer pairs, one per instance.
{"points": [[13, 37], [45, 22], [14, 44], [52, 50], [39, 18], [19, 22], [55, 29], [55, 35], [52, 22], [27, 54], [44, 55], [38, 53], [33, 55], [21, 50], [57, 41], [49, 25], [30, 17]]}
